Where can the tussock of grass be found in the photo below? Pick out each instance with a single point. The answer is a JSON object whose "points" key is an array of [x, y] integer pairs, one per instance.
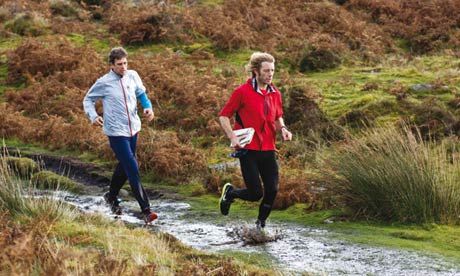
{"points": [[22, 167], [48, 180], [393, 174], [17, 202]]}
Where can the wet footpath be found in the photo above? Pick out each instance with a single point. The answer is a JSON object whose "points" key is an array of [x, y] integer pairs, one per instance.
{"points": [[293, 249]]}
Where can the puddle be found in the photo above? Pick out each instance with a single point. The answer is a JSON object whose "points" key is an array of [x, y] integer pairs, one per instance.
{"points": [[300, 250]]}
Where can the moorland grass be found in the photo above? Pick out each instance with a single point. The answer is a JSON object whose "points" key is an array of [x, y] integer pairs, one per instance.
{"points": [[392, 174], [16, 201], [49, 237]]}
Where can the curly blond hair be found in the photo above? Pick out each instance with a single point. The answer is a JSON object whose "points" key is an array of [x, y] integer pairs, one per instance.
{"points": [[255, 62]]}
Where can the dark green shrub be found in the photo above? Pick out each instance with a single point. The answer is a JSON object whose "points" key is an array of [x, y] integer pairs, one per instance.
{"points": [[304, 116], [318, 60], [340, 2], [93, 2]]}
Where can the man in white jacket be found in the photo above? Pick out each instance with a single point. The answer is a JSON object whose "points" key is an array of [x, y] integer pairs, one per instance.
{"points": [[119, 90]]}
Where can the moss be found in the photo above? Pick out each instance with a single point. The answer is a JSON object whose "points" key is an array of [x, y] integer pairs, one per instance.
{"points": [[50, 181], [197, 46], [197, 189]]}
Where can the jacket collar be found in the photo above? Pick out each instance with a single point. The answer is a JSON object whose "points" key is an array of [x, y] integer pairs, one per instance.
{"points": [[256, 88], [115, 75]]}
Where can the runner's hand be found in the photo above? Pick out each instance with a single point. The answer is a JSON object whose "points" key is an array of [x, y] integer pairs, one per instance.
{"points": [[287, 135], [149, 114], [235, 142], [99, 121]]}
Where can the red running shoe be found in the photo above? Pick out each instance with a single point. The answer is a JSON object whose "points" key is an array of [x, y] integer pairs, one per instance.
{"points": [[148, 218]]}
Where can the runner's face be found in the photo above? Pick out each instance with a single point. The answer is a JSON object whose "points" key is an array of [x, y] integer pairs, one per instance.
{"points": [[265, 74], [120, 66]]}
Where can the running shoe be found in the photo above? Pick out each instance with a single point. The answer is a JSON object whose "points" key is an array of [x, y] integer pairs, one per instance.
{"points": [[224, 202], [149, 217], [260, 224], [114, 203]]}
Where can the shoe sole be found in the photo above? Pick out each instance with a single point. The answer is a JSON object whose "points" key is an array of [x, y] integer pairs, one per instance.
{"points": [[222, 194]]}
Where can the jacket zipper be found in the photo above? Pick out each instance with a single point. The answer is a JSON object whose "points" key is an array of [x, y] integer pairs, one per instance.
{"points": [[126, 105]]}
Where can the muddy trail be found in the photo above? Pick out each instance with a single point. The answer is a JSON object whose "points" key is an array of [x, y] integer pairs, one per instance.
{"points": [[292, 249]]}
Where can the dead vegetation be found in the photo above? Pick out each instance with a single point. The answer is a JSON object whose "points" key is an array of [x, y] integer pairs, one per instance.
{"points": [[48, 75], [37, 246], [427, 26]]}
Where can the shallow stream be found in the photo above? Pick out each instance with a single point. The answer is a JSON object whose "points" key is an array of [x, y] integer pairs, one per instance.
{"points": [[300, 250]]}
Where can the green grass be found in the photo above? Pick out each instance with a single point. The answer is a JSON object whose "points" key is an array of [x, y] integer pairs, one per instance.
{"points": [[6, 44], [102, 46], [426, 239], [341, 88], [257, 259]]}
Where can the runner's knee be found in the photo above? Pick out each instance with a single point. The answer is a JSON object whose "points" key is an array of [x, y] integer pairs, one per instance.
{"points": [[255, 195]]}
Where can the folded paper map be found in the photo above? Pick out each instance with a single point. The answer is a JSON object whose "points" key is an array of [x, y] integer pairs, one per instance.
{"points": [[244, 135]]}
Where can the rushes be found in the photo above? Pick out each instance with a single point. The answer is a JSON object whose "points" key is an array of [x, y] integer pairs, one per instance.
{"points": [[393, 174]]}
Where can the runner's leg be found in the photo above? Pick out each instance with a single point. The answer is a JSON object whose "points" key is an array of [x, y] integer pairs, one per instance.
{"points": [[269, 173], [250, 172], [123, 149], [119, 178]]}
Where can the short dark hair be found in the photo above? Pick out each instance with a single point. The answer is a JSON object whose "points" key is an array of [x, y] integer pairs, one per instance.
{"points": [[117, 53]]}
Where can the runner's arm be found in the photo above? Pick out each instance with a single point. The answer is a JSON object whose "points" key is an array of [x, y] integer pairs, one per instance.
{"points": [[147, 105], [227, 127], [286, 134], [89, 103]]}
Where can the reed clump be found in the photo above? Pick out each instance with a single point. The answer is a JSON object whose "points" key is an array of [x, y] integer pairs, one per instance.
{"points": [[392, 174]]}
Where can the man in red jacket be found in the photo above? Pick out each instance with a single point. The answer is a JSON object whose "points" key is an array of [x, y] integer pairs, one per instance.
{"points": [[256, 104]]}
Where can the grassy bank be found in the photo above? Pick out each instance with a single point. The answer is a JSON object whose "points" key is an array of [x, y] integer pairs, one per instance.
{"points": [[50, 237]]}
